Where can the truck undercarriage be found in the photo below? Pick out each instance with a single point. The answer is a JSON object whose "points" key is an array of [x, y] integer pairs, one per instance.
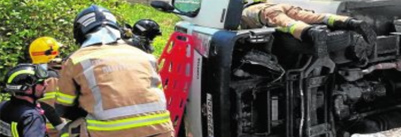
{"points": [[294, 94]]}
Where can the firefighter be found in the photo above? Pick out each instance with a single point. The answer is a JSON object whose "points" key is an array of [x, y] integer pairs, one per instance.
{"points": [[142, 34], [296, 21], [42, 51], [22, 115], [107, 87]]}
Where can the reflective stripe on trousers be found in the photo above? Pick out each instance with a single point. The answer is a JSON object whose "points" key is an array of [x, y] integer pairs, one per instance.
{"points": [[101, 114], [115, 125]]}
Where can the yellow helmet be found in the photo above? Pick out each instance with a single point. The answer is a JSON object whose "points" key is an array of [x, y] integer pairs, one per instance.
{"points": [[43, 49]]}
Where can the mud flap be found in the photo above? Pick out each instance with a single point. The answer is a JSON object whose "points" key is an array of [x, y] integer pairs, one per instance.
{"points": [[176, 73]]}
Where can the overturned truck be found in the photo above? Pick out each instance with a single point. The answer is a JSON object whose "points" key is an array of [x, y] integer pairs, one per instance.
{"points": [[263, 83]]}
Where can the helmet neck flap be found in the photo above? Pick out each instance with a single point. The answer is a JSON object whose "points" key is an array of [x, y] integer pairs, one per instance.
{"points": [[104, 35]]}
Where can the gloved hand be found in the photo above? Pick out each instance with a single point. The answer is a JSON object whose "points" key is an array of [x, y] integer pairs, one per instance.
{"points": [[55, 63]]}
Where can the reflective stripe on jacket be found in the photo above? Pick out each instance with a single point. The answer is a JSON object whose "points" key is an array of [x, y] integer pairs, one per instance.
{"points": [[8, 130], [128, 123], [117, 86], [51, 91]]}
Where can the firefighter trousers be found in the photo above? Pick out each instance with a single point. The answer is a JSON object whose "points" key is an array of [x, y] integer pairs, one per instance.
{"points": [[294, 20]]}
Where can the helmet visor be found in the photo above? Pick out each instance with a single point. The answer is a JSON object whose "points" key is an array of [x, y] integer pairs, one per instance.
{"points": [[41, 73]]}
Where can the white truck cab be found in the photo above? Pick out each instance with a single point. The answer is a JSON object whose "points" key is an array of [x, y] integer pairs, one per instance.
{"points": [[261, 83]]}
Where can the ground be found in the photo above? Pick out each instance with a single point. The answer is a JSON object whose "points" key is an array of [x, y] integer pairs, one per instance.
{"points": [[390, 133]]}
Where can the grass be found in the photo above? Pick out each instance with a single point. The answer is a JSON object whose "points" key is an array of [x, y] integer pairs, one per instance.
{"points": [[165, 20]]}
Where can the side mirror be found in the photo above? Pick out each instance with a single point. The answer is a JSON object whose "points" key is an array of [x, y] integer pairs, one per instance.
{"points": [[162, 6]]}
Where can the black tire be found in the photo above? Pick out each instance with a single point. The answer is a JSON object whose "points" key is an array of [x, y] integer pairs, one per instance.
{"points": [[337, 40]]}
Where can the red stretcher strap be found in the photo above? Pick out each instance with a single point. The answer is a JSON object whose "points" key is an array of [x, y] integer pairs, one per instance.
{"points": [[176, 73]]}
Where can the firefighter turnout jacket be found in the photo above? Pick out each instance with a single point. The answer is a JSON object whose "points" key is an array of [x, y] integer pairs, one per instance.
{"points": [[117, 85], [20, 118]]}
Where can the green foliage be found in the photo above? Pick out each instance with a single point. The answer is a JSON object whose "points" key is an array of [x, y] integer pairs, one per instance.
{"points": [[4, 97], [24, 20]]}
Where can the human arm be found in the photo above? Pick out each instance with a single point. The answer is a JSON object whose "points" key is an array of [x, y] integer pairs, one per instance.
{"points": [[66, 100]]}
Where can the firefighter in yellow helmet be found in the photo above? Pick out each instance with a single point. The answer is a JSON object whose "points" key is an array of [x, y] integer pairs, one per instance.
{"points": [[43, 51]]}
